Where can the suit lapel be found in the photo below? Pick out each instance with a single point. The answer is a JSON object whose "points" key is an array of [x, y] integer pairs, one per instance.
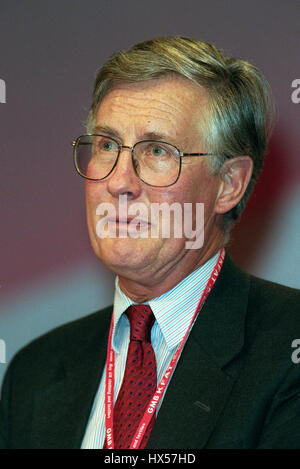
{"points": [[62, 409], [193, 402], [200, 386]]}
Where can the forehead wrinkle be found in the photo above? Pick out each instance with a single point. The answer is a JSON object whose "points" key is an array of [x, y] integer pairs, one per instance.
{"points": [[150, 113], [170, 115], [151, 120], [149, 101], [150, 128]]}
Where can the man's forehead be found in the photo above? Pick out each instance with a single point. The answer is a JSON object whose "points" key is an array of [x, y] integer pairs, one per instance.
{"points": [[159, 107], [164, 85]]}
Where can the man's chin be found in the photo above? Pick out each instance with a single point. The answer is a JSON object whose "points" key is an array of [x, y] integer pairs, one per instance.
{"points": [[125, 255]]}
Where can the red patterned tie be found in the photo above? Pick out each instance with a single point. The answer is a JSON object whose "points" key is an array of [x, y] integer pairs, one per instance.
{"points": [[139, 382]]}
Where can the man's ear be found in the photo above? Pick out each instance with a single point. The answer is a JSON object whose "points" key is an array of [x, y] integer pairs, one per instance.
{"points": [[235, 176]]}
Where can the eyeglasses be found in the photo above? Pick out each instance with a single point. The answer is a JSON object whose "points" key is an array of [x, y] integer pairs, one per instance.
{"points": [[156, 163]]}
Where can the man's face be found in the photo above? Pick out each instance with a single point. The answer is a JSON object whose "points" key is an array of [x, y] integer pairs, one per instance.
{"points": [[170, 108]]}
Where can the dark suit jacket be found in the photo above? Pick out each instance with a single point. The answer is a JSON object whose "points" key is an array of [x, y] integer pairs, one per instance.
{"points": [[235, 385]]}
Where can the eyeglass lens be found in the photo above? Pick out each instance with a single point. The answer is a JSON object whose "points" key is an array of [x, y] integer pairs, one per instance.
{"points": [[156, 163]]}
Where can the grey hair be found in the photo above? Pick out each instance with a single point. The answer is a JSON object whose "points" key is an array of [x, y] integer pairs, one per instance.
{"points": [[240, 113]]}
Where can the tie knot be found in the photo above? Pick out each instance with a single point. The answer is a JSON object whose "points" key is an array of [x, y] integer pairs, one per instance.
{"points": [[141, 320]]}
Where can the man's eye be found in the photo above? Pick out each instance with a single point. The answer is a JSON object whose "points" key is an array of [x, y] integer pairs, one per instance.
{"points": [[107, 146], [158, 151]]}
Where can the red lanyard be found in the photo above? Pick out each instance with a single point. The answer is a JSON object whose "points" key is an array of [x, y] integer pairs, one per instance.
{"points": [[110, 371]]}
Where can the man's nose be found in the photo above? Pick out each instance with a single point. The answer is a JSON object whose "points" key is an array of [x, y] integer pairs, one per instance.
{"points": [[124, 180]]}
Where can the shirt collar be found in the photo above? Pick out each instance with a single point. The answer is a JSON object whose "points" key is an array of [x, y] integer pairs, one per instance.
{"points": [[173, 310]]}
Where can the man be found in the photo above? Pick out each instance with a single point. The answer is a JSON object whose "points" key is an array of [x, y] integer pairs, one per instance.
{"points": [[207, 363]]}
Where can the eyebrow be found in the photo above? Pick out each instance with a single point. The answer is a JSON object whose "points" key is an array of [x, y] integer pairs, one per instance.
{"points": [[146, 136], [106, 130], [156, 136]]}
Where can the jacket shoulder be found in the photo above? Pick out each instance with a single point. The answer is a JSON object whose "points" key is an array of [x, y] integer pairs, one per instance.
{"points": [[273, 298], [268, 306]]}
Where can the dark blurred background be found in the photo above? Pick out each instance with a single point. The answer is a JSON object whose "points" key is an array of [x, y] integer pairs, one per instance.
{"points": [[50, 52]]}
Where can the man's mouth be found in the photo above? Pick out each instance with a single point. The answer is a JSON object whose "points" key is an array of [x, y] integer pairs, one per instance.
{"points": [[128, 220]]}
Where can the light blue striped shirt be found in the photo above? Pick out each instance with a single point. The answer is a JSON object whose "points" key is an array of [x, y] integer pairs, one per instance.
{"points": [[173, 313]]}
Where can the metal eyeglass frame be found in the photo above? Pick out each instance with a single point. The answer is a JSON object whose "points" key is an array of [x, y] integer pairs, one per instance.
{"points": [[120, 148]]}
